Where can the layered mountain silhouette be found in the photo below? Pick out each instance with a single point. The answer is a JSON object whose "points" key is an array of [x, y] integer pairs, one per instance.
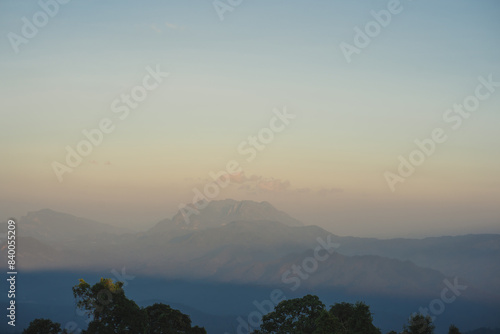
{"points": [[246, 242], [65, 231]]}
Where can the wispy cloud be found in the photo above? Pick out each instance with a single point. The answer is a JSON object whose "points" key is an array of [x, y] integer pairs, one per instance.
{"points": [[273, 185], [258, 184], [255, 184], [173, 26], [156, 29], [329, 191]]}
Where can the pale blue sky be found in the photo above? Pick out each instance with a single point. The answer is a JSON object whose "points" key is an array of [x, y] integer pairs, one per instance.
{"points": [[353, 120]]}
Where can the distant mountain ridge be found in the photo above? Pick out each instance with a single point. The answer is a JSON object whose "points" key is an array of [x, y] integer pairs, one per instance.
{"points": [[219, 213], [464, 256], [57, 228], [251, 242]]}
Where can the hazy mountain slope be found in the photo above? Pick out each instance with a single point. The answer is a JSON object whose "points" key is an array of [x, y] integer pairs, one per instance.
{"points": [[360, 275], [258, 251], [475, 258], [64, 230], [218, 213], [33, 254], [206, 251]]}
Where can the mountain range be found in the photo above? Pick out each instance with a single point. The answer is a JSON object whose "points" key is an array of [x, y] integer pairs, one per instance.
{"points": [[249, 243]]}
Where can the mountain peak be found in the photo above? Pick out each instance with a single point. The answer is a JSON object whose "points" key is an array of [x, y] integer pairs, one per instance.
{"points": [[219, 213]]}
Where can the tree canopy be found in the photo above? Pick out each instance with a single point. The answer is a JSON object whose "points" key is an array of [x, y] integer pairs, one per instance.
{"points": [[108, 307], [453, 330], [309, 315], [43, 326], [112, 312], [298, 315], [353, 318], [162, 318], [419, 324]]}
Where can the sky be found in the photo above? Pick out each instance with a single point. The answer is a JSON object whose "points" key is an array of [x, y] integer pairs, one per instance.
{"points": [[360, 81]]}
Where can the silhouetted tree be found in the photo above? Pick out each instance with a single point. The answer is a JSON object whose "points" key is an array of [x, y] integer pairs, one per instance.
{"points": [[43, 326], [354, 318], [112, 312], [162, 319], [453, 330], [326, 323], [297, 315], [308, 315], [419, 324]]}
